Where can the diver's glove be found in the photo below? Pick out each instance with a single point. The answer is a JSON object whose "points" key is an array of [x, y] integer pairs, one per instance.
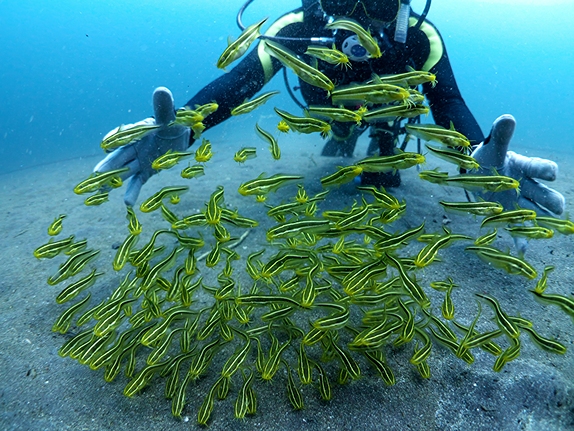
{"points": [[492, 155], [139, 155]]}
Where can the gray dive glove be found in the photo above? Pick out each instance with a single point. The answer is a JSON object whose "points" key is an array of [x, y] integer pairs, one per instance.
{"points": [[492, 154], [139, 155]]}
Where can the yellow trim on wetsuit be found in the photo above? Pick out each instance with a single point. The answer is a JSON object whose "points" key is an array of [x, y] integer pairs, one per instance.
{"points": [[277, 26], [436, 46]]}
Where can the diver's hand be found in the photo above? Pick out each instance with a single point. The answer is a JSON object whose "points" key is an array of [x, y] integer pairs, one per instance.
{"points": [[139, 155], [492, 154]]}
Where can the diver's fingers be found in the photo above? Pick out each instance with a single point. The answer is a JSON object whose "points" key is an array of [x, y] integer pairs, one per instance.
{"points": [[533, 167], [163, 105], [542, 195], [529, 205], [521, 245], [500, 136], [117, 159], [492, 153], [133, 190], [134, 168]]}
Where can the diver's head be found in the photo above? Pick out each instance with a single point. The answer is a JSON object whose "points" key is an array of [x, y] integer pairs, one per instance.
{"points": [[380, 10]]}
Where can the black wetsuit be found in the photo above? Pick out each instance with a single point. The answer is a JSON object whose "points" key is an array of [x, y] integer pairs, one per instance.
{"points": [[423, 50]]}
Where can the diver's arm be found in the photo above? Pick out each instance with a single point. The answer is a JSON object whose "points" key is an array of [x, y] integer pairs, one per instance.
{"points": [[247, 78], [228, 91], [447, 103], [492, 153], [231, 89]]}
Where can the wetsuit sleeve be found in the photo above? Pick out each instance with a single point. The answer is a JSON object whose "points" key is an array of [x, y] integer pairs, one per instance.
{"points": [[444, 98], [447, 103], [248, 76], [231, 89]]}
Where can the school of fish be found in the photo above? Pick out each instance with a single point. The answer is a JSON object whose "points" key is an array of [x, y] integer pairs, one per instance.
{"points": [[329, 292]]}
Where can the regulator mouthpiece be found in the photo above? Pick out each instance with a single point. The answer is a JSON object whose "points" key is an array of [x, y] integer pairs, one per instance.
{"points": [[353, 49], [403, 22]]}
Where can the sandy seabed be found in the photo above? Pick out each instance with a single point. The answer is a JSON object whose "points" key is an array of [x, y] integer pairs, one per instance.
{"points": [[39, 390]]}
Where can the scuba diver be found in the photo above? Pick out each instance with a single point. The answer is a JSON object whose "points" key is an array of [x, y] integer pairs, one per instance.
{"points": [[407, 40]]}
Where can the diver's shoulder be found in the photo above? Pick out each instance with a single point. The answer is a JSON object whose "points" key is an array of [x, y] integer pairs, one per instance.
{"points": [[297, 22], [426, 25], [427, 28]]}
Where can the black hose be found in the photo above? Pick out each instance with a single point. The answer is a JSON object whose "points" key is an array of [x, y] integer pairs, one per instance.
{"points": [[239, 18], [290, 91], [423, 16]]}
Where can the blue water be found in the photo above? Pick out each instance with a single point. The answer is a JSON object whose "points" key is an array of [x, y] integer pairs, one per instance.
{"points": [[71, 70]]}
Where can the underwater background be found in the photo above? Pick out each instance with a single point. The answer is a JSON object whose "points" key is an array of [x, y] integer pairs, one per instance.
{"points": [[71, 71]]}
